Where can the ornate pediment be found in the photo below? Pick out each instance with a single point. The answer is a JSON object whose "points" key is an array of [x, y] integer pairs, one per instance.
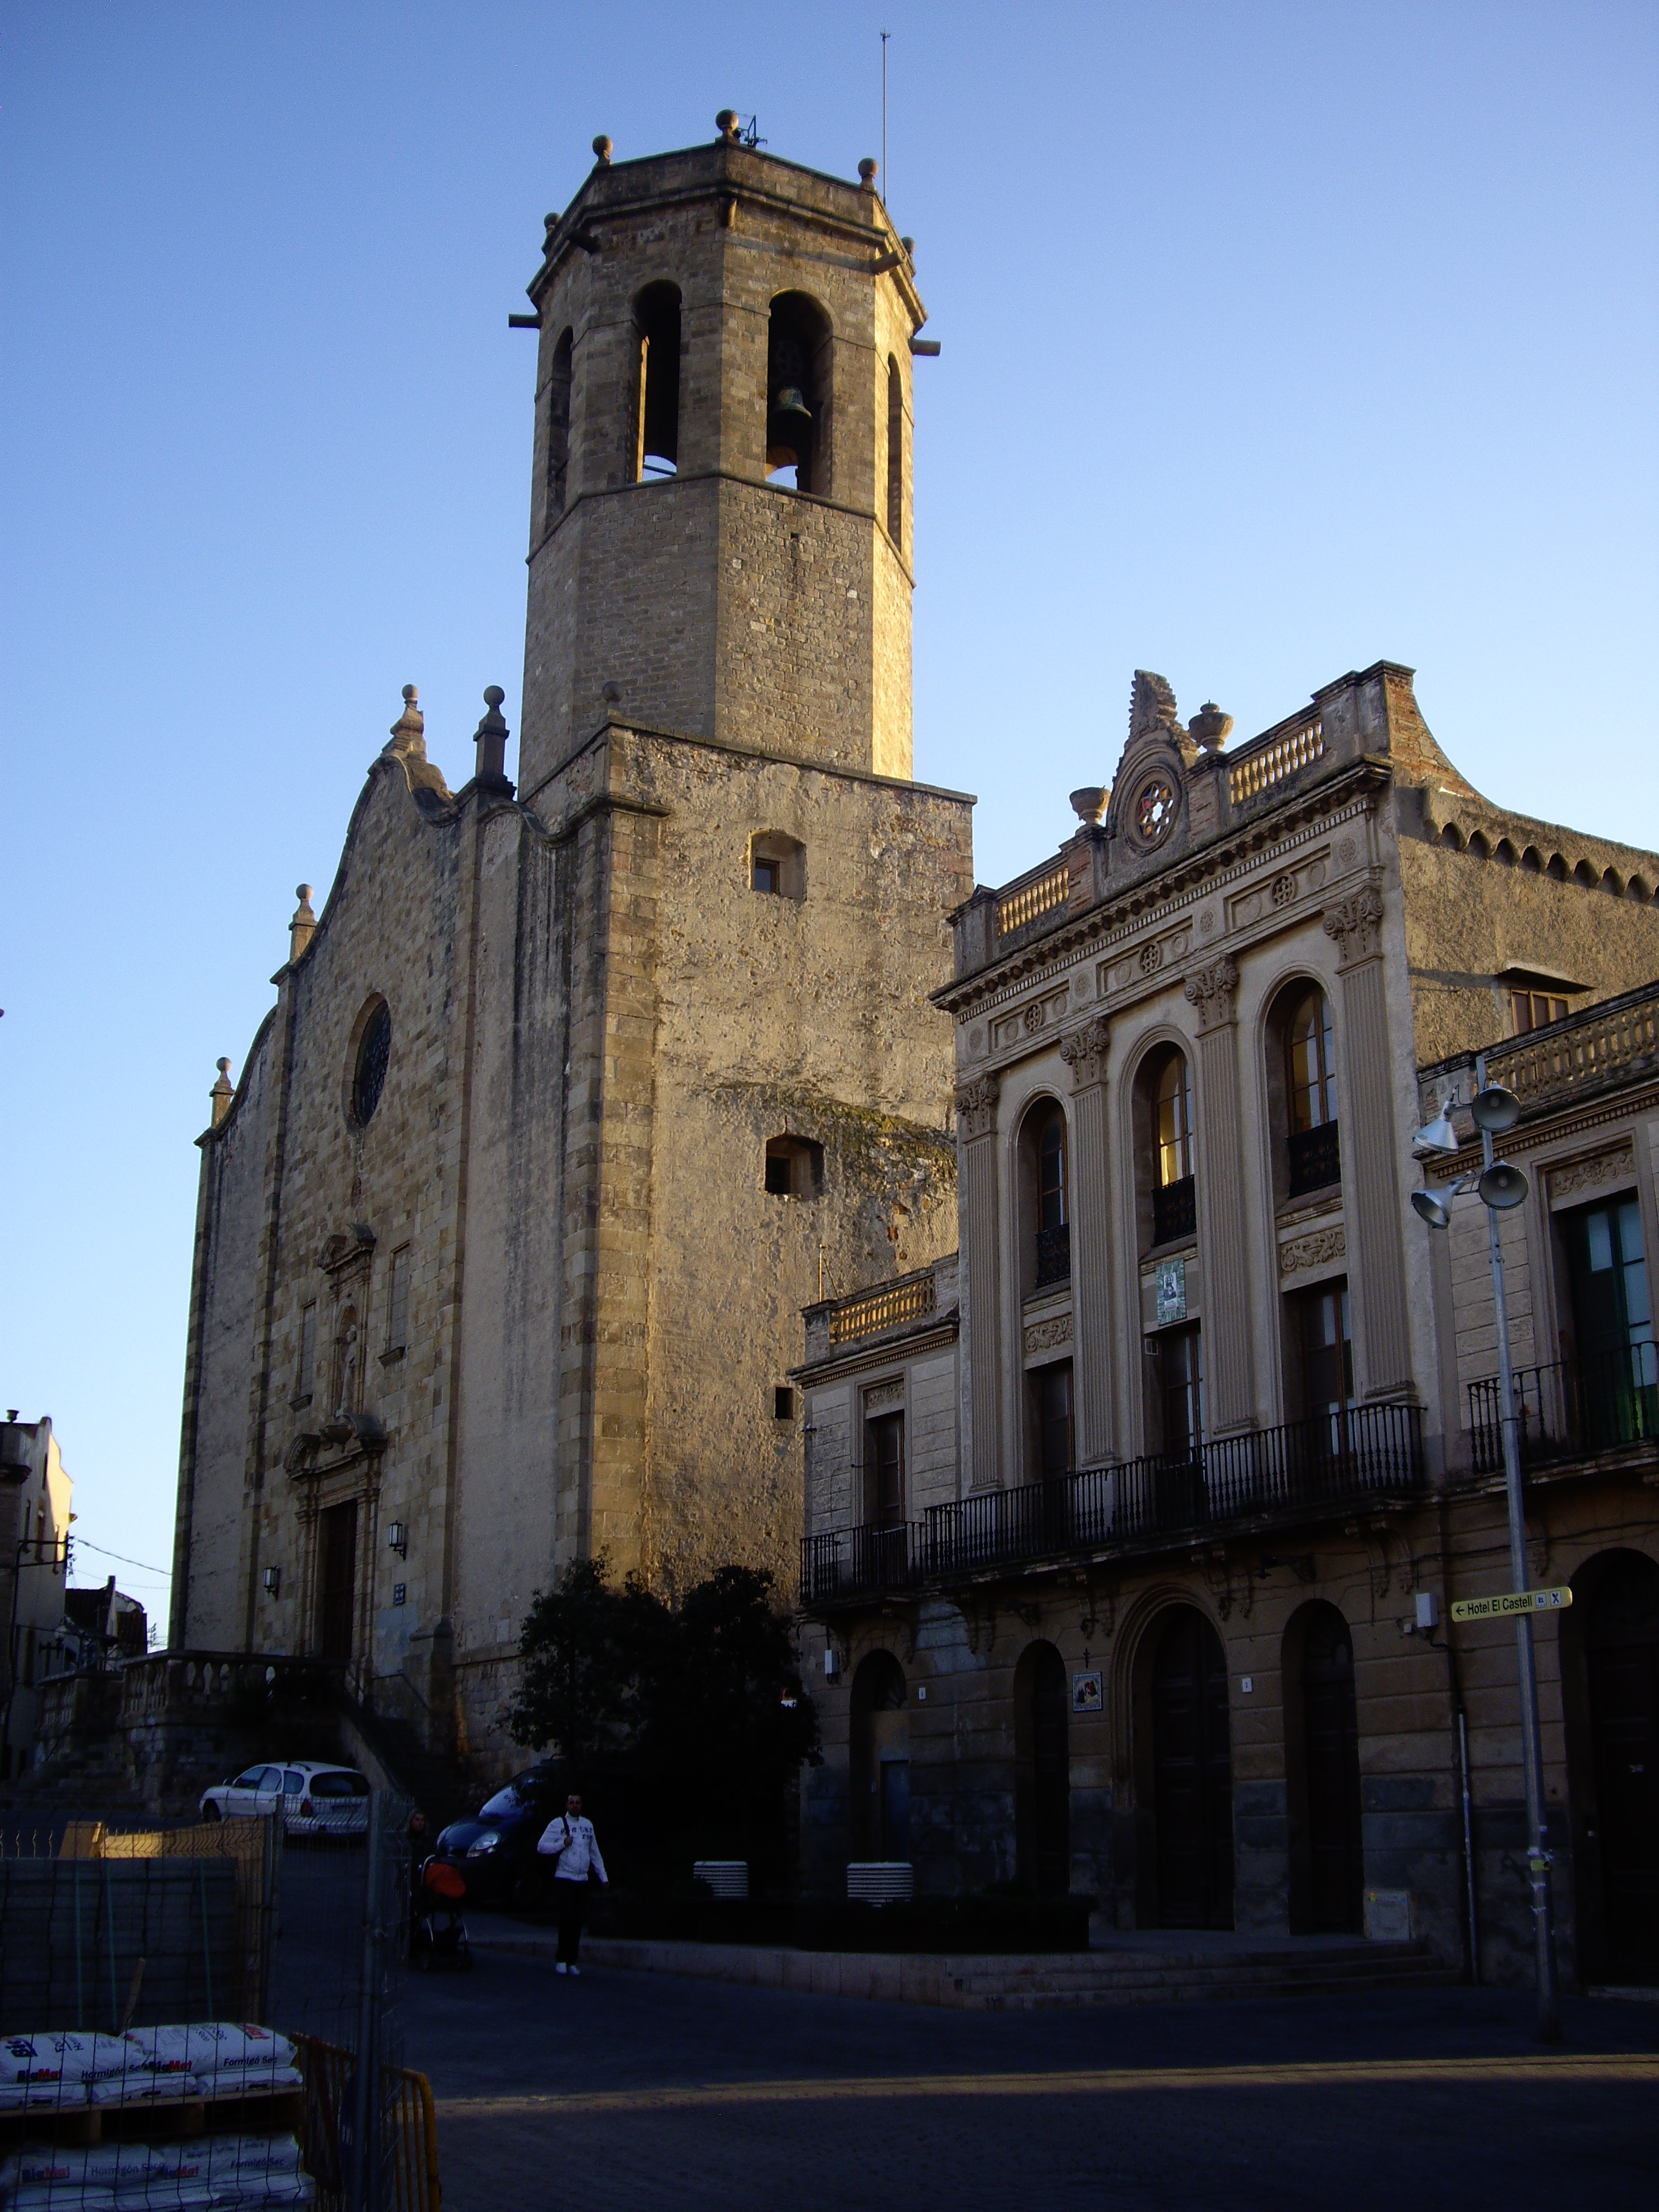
{"points": [[1148, 807], [345, 1247]]}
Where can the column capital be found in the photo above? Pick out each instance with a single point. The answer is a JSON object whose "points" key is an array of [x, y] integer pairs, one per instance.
{"points": [[1084, 1053], [1356, 924], [1212, 990], [977, 1106]]}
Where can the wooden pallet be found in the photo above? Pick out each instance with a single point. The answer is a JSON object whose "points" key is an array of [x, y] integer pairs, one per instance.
{"points": [[248, 2111]]}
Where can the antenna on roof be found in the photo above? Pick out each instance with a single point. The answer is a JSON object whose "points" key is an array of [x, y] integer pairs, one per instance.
{"points": [[886, 172]]}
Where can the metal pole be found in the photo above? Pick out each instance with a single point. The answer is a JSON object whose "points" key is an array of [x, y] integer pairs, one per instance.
{"points": [[1468, 1848], [1532, 1748], [366, 2115], [885, 194]]}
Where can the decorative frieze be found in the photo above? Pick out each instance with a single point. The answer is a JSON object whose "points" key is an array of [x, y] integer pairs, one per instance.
{"points": [[884, 1393], [1356, 924], [1212, 990], [1048, 1335], [977, 1106], [1084, 1053], [1617, 1165], [1320, 1248]]}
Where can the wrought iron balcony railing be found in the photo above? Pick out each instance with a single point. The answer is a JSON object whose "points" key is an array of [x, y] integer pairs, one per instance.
{"points": [[860, 1562], [1054, 1254], [1572, 1409], [1174, 1210], [1340, 1459], [1316, 1158]]}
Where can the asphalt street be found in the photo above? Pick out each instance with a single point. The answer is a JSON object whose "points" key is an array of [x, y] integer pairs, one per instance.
{"points": [[630, 2092]]}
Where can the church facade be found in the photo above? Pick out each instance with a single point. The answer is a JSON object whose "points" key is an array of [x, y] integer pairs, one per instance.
{"points": [[1133, 1529], [577, 1089]]}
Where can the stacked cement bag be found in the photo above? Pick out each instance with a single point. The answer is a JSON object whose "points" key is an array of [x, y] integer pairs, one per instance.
{"points": [[146, 2065], [212, 2173]]}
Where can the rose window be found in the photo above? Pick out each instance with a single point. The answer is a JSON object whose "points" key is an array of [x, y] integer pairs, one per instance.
{"points": [[1155, 811]]}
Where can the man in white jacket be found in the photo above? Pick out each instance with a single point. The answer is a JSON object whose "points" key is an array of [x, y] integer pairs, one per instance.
{"points": [[570, 1843]]}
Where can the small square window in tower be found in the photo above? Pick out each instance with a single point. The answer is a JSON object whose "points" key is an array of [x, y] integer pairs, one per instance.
{"points": [[777, 863], [795, 1166]]}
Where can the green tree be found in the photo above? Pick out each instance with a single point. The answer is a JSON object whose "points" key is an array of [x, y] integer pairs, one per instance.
{"points": [[586, 1647], [726, 1723]]}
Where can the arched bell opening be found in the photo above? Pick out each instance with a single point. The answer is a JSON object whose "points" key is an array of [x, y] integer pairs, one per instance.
{"points": [[798, 386], [657, 317]]}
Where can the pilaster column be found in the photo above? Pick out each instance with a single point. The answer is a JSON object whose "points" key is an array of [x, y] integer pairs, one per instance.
{"points": [[1084, 1053], [1370, 1181], [982, 1305], [1229, 1392]]}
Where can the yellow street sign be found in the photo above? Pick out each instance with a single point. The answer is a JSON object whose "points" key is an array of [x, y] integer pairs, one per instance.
{"points": [[1496, 1608]]}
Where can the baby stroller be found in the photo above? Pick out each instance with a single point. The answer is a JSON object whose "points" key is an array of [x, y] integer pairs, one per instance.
{"points": [[437, 1933]]}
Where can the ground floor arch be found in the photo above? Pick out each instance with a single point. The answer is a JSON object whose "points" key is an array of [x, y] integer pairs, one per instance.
{"points": [[1042, 1772], [1322, 1772], [1611, 1669], [879, 1764], [1182, 1707]]}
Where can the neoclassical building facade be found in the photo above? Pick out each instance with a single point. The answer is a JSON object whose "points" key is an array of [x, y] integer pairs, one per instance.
{"points": [[1132, 1529]]}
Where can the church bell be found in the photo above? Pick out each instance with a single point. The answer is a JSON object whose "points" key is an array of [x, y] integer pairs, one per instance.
{"points": [[788, 428]]}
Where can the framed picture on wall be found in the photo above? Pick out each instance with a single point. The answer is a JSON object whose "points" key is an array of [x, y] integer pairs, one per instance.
{"points": [[1086, 1692]]}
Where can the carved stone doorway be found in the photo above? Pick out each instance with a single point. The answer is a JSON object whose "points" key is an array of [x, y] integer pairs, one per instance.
{"points": [[337, 1581]]}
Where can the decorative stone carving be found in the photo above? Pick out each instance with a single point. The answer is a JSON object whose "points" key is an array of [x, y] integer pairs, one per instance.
{"points": [[1345, 850], [884, 1393], [977, 1039], [1046, 1335], [1592, 1174], [1152, 958], [1084, 1053], [1212, 990], [1033, 1017], [1317, 1250], [977, 1106], [1356, 923], [1206, 922], [1284, 889]]}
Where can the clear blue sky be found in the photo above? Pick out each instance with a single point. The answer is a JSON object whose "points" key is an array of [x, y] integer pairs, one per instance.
{"points": [[1277, 339]]}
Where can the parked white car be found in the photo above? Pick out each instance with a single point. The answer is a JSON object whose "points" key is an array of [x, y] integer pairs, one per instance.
{"points": [[315, 1798]]}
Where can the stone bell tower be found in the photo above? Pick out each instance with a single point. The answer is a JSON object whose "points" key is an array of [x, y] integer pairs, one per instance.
{"points": [[721, 513]]}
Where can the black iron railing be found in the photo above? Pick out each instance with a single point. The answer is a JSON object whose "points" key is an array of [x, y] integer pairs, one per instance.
{"points": [[1572, 1409], [1316, 1158], [1054, 1254], [1174, 1210], [860, 1562], [1341, 1458]]}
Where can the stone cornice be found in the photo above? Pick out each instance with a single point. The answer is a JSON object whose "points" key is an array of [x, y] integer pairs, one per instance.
{"points": [[1161, 898], [892, 1349]]}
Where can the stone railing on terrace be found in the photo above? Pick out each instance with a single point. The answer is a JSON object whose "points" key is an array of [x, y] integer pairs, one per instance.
{"points": [[1620, 1037], [838, 1323], [1275, 759], [1031, 897]]}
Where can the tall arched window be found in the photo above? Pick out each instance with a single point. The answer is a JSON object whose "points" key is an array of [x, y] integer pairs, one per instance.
{"points": [[558, 428], [894, 453], [797, 378], [1174, 1212], [657, 314], [1053, 1246], [1311, 1094]]}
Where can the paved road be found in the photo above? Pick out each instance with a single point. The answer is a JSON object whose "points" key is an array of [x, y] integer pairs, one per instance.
{"points": [[627, 2092]]}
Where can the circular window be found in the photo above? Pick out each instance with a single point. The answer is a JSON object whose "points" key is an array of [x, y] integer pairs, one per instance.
{"points": [[374, 1051], [1155, 811]]}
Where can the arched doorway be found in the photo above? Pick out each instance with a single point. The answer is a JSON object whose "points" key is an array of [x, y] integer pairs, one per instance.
{"points": [[1620, 1629], [1042, 1772], [880, 1777], [1322, 1745], [1193, 1778]]}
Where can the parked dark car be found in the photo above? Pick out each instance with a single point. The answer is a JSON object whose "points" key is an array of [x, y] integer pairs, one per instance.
{"points": [[496, 1849]]}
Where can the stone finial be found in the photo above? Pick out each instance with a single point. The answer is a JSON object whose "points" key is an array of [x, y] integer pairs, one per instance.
{"points": [[1090, 803], [1153, 706], [729, 122], [301, 927], [1210, 726], [409, 731], [867, 173], [491, 736], [602, 150], [221, 1093]]}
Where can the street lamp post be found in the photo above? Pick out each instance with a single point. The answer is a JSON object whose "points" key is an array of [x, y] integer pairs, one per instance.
{"points": [[1501, 1187]]}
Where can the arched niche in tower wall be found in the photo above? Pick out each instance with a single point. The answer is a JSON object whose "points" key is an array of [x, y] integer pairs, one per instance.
{"points": [[799, 380], [657, 317], [558, 427]]}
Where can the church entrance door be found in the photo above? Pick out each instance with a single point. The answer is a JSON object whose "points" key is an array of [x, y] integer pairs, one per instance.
{"points": [[1336, 1864], [1623, 1655], [1192, 1756], [337, 1581]]}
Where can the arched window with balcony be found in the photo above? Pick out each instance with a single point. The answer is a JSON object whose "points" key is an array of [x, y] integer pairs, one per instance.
{"points": [[1305, 1054], [798, 391], [1047, 1179], [1169, 1090], [657, 317]]}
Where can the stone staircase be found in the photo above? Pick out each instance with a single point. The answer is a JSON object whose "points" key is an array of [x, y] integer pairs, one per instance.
{"points": [[444, 1787]]}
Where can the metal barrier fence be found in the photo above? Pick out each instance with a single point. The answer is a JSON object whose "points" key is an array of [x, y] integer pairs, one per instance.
{"points": [[105, 1931]]}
